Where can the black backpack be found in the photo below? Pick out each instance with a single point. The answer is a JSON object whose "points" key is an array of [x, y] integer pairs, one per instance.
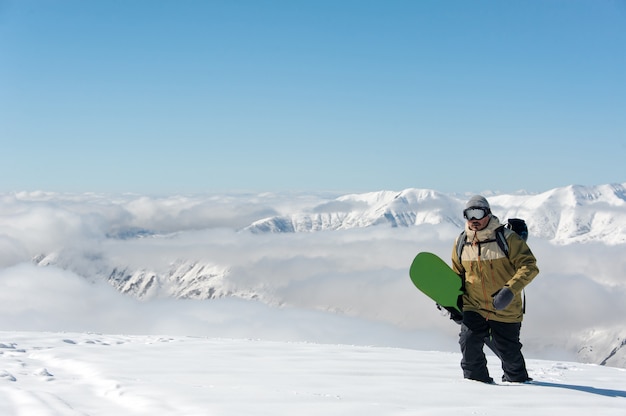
{"points": [[517, 225]]}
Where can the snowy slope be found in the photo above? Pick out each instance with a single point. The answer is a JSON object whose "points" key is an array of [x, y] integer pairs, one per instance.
{"points": [[96, 374]]}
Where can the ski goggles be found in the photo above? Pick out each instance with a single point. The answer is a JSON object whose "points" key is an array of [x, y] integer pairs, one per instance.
{"points": [[475, 213]]}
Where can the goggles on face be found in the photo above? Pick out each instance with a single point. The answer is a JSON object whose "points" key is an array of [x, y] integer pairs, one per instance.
{"points": [[475, 213]]}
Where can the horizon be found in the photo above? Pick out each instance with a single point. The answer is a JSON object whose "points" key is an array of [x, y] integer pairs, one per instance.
{"points": [[346, 97], [328, 193]]}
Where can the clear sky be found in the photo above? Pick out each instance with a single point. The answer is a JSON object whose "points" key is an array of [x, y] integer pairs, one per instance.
{"points": [[347, 95]]}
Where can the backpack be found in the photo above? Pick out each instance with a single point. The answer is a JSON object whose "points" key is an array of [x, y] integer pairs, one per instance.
{"points": [[516, 225], [519, 226]]}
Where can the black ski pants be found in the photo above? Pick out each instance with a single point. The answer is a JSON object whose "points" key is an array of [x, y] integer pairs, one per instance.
{"points": [[504, 340]]}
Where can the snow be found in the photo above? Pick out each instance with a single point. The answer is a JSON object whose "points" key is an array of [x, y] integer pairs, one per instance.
{"points": [[95, 374]]}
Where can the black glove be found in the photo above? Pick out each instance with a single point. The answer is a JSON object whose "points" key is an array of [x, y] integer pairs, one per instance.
{"points": [[455, 315], [502, 298]]}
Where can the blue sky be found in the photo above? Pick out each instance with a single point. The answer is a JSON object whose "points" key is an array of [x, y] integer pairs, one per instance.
{"points": [[348, 96]]}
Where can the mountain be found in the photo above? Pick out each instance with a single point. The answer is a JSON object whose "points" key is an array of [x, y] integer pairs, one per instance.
{"points": [[183, 280], [180, 279], [398, 209], [563, 215]]}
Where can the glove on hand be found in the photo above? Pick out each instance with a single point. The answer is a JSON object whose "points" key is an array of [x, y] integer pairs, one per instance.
{"points": [[502, 298], [455, 315]]}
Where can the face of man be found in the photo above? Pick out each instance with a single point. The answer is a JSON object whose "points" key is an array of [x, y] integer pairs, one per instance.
{"points": [[477, 225], [477, 217]]}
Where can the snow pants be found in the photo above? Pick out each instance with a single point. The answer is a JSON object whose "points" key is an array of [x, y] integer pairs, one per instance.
{"points": [[504, 339]]}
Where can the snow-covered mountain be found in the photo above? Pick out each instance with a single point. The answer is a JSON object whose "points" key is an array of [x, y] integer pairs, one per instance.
{"points": [[312, 251], [563, 215], [397, 209]]}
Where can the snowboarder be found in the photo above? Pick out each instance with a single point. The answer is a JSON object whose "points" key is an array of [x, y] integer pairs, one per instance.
{"points": [[492, 299]]}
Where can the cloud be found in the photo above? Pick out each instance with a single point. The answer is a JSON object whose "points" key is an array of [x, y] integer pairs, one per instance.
{"points": [[12, 251], [45, 227], [36, 298]]}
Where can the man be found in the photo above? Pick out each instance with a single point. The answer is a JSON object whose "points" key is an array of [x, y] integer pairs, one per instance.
{"points": [[492, 300]]}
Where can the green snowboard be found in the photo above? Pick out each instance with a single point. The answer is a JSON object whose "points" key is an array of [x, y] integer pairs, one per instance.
{"points": [[437, 280]]}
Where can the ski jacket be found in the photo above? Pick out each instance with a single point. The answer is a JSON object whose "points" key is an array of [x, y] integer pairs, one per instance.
{"points": [[486, 269]]}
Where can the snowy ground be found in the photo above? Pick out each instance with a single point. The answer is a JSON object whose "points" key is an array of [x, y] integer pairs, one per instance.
{"points": [[93, 374]]}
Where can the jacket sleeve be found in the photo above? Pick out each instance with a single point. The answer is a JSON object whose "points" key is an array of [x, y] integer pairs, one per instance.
{"points": [[523, 261]]}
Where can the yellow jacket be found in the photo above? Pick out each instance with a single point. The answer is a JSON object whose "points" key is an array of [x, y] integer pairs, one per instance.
{"points": [[487, 269]]}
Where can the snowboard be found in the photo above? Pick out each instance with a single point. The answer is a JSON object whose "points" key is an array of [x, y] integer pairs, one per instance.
{"points": [[431, 275]]}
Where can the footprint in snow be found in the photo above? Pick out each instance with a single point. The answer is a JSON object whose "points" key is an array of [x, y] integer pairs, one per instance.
{"points": [[5, 375], [45, 374], [8, 346]]}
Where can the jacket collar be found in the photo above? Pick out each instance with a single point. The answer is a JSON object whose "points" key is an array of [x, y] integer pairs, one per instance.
{"points": [[487, 233]]}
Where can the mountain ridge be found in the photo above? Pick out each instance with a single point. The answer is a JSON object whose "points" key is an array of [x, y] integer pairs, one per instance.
{"points": [[562, 215]]}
